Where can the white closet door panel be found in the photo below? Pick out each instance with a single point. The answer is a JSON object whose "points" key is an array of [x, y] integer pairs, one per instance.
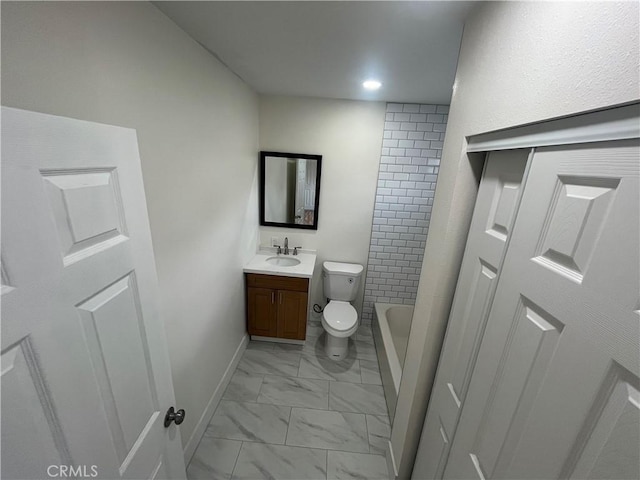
{"points": [[555, 390], [493, 217]]}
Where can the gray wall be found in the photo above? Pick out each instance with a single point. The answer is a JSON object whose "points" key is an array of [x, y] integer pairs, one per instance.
{"points": [[520, 62], [411, 149], [348, 135], [126, 64]]}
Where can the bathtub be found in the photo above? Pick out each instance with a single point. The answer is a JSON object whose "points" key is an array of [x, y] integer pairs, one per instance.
{"points": [[391, 334]]}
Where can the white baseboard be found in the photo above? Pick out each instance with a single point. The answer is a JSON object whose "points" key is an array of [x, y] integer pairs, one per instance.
{"points": [[391, 462], [201, 426]]}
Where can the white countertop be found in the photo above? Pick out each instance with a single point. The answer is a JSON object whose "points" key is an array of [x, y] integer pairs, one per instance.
{"points": [[304, 269]]}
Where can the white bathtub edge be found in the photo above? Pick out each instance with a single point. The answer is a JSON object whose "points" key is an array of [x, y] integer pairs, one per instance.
{"points": [[391, 462], [390, 366], [389, 347]]}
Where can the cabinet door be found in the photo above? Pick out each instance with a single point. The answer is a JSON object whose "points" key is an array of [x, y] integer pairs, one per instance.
{"points": [[292, 314], [261, 312]]}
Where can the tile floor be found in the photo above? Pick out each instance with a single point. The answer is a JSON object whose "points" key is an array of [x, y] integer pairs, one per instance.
{"points": [[291, 413]]}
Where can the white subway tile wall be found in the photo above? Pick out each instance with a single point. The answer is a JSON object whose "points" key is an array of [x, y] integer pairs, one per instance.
{"points": [[409, 165]]}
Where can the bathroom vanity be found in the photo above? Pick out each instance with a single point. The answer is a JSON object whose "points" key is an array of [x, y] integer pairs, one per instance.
{"points": [[277, 291]]}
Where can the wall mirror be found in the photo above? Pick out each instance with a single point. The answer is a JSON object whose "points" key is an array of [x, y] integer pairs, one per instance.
{"points": [[289, 189]]}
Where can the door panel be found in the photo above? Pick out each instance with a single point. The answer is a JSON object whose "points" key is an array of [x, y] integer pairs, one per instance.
{"points": [[292, 314], [555, 390], [533, 336], [496, 206], [87, 210], [115, 334], [612, 435], [83, 345], [29, 409], [262, 312]]}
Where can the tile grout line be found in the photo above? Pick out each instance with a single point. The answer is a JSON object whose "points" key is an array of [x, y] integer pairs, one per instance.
{"points": [[307, 408], [296, 446], [235, 464], [366, 426], [286, 435], [326, 472], [260, 389]]}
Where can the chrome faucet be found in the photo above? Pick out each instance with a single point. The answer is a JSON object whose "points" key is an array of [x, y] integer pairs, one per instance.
{"points": [[286, 246]]}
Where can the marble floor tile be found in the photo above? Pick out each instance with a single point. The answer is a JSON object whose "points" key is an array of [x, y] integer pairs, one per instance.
{"points": [[323, 368], [370, 372], [260, 460], [357, 398], [259, 345], [367, 340], [365, 333], [330, 430], [352, 466], [379, 433], [363, 350], [314, 330], [243, 387], [315, 345], [288, 347], [312, 346], [295, 392], [270, 362], [214, 458], [254, 422]]}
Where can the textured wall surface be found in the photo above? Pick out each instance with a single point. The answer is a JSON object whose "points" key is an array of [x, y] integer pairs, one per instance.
{"points": [[348, 135], [411, 149], [126, 64], [520, 62]]}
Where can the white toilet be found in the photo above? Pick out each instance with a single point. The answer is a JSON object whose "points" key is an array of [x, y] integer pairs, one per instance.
{"points": [[339, 318]]}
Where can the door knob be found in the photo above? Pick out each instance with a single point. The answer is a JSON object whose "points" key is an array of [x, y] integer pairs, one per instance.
{"points": [[173, 416]]}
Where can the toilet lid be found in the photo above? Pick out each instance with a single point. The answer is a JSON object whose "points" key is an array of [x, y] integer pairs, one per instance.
{"points": [[340, 315]]}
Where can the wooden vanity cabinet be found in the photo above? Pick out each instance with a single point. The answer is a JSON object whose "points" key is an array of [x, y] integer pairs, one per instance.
{"points": [[277, 306]]}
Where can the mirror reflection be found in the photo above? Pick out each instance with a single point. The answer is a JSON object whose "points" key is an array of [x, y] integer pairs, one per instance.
{"points": [[290, 189]]}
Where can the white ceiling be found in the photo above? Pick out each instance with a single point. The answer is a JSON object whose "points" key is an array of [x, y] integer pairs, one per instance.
{"points": [[327, 49]]}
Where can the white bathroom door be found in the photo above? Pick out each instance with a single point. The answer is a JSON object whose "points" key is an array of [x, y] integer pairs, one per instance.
{"points": [[555, 392], [85, 369], [491, 226]]}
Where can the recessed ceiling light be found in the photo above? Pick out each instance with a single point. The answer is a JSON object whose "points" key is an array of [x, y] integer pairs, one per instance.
{"points": [[372, 85]]}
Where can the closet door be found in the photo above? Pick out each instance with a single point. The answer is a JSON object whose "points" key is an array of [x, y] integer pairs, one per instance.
{"points": [[493, 218], [555, 391]]}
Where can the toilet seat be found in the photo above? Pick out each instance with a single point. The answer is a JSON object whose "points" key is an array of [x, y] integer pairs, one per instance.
{"points": [[340, 319]]}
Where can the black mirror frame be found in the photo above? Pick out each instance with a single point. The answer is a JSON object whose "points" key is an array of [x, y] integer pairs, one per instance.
{"points": [[263, 155]]}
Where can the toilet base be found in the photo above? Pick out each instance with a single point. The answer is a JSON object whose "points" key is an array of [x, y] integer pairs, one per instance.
{"points": [[336, 348]]}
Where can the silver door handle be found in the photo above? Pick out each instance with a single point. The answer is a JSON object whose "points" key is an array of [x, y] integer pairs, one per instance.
{"points": [[273, 297]]}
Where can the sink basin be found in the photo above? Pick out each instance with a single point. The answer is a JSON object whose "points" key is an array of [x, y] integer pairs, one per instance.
{"points": [[283, 261]]}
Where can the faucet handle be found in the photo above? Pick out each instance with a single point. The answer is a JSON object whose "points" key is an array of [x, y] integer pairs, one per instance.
{"points": [[279, 249], [295, 250]]}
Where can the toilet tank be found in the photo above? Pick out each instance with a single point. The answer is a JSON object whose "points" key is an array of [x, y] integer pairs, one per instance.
{"points": [[341, 280]]}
